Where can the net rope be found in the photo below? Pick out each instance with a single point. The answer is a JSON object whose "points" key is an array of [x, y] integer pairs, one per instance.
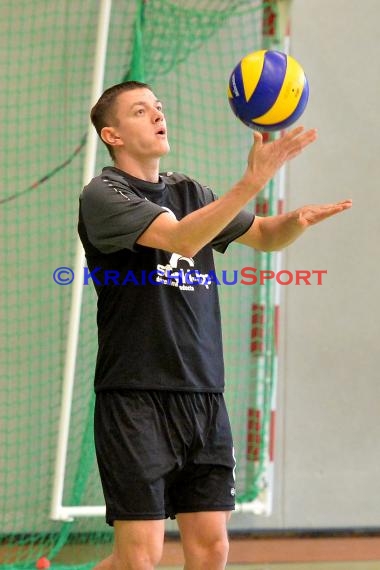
{"points": [[186, 50]]}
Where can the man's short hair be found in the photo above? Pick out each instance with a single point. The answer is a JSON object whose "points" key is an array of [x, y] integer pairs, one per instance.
{"points": [[103, 112]]}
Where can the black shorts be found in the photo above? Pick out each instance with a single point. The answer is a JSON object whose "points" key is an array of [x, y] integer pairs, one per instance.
{"points": [[163, 453]]}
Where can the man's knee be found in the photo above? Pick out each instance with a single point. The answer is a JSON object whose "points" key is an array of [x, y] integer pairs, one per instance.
{"points": [[212, 553], [205, 539], [137, 558], [218, 550], [138, 545]]}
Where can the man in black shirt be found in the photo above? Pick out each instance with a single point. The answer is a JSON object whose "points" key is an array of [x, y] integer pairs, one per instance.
{"points": [[162, 433]]}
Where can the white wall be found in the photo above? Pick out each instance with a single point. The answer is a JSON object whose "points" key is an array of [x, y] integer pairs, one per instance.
{"points": [[328, 445]]}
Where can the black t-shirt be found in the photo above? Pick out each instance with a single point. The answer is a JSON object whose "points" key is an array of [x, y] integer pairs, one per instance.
{"points": [[158, 312]]}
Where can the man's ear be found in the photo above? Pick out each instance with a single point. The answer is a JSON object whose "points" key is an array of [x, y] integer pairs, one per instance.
{"points": [[110, 136]]}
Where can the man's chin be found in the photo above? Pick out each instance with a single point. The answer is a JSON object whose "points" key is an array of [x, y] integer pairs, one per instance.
{"points": [[165, 150]]}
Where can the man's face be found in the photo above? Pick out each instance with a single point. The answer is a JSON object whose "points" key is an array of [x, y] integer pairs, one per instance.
{"points": [[140, 124]]}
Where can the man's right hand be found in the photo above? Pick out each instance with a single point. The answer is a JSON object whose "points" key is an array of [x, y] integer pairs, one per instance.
{"points": [[266, 158]]}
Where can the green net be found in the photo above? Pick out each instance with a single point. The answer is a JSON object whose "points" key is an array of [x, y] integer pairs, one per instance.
{"points": [[186, 50]]}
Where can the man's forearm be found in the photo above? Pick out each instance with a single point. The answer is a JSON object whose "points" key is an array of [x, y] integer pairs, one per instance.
{"points": [[276, 232], [280, 231]]}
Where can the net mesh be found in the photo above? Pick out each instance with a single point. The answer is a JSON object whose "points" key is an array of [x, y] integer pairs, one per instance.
{"points": [[186, 50]]}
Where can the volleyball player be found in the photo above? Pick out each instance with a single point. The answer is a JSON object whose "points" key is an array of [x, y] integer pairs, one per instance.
{"points": [[162, 434]]}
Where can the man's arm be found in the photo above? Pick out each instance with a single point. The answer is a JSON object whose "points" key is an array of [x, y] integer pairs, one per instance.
{"points": [[188, 235], [276, 232]]}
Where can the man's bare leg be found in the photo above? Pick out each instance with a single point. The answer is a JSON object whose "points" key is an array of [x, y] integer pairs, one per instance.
{"points": [[205, 540], [138, 546]]}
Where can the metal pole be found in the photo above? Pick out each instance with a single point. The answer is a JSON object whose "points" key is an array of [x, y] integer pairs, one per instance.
{"points": [[57, 512]]}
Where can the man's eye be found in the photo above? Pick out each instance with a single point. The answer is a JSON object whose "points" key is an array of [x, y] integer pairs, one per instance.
{"points": [[140, 112]]}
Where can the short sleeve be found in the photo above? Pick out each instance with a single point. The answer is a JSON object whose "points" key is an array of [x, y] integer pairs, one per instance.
{"points": [[115, 218], [236, 228]]}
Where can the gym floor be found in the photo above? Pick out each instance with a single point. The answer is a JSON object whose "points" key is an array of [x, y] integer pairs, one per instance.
{"points": [[354, 552], [308, 566], [296, 553]]}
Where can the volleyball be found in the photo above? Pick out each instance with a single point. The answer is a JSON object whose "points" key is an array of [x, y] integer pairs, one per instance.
{"points": [[268, 90]]}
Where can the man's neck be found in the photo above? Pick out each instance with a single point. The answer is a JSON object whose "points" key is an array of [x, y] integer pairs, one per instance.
{"points": [[144, 170]]}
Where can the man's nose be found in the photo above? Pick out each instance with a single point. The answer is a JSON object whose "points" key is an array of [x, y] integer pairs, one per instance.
{"points": [[158, 116]]}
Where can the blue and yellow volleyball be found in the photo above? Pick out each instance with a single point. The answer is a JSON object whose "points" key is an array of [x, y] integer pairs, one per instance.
{"points": [[268, 90]]}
